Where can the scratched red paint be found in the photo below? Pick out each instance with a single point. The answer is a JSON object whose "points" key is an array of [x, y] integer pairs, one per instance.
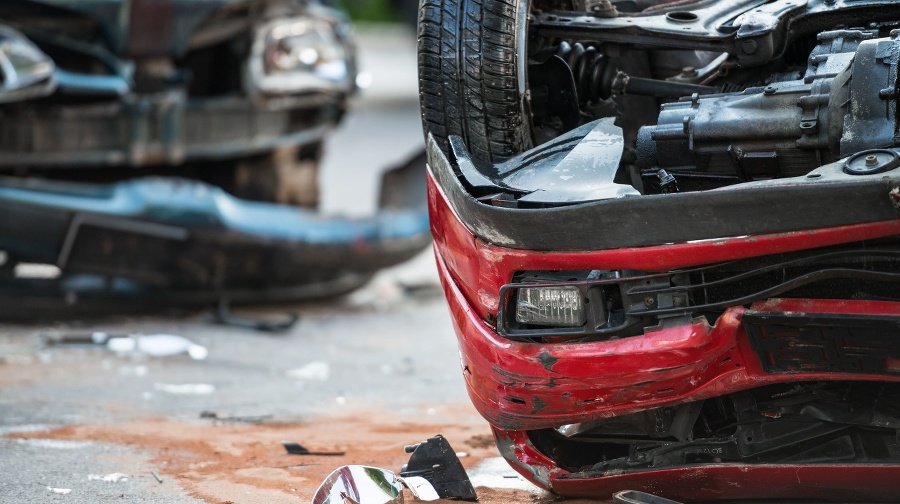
{"points": [[520, 386], [477, 266]]}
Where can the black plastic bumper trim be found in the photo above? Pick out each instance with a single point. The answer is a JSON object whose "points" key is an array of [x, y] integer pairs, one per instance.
{"points": [[672, 218]]}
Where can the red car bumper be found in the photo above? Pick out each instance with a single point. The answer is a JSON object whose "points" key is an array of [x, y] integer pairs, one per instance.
{"points": [[527, 386], [524, 386]]}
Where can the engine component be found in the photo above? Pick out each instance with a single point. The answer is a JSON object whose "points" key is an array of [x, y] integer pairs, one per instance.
{"points": [[872, 161], [597, 79], [846, 102]]}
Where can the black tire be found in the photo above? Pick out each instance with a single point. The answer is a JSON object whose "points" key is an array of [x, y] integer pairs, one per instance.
{"points": [[471, 74]]}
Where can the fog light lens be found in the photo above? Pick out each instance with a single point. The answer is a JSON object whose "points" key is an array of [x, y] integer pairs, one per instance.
{"points": [[550, 306]]}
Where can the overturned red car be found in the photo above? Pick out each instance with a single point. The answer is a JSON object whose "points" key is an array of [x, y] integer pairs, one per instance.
{"points": [[669, 235]]}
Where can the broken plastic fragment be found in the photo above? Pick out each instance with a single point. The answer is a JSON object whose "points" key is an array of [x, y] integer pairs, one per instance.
{"points": [[421, 488], [254, 419], [157, 345], [109, 478], [360, 485], [298, 449], [436, 461], [371, 485], [495, 473], [60, 491]]}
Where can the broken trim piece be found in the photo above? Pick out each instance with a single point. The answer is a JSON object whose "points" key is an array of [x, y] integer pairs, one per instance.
{"points": [[829, 199]]}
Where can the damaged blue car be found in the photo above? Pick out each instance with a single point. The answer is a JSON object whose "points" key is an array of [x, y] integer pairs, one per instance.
{"points": [[169, 149]]}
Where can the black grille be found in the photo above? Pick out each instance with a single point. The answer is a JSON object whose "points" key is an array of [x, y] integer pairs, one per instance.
{"points": [[805, 343]]}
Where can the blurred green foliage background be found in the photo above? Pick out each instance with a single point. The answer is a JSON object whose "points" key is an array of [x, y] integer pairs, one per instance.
{"points": [[372, 10]]}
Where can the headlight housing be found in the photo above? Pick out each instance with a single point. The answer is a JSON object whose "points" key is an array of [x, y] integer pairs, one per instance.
{"points": [[299, 55], [25, 71]]}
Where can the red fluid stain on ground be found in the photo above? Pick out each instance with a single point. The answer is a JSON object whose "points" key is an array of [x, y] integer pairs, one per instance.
{"points": [[223, 462]]}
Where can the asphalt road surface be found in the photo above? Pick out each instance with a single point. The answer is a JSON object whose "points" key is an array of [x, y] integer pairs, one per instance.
{"points": [[362, 375]]}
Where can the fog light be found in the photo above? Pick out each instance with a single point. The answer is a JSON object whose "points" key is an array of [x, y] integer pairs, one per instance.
{"points": [[550, 306]]}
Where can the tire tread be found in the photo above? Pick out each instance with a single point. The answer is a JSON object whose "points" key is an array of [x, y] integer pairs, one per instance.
{"points": [[468, 77]]}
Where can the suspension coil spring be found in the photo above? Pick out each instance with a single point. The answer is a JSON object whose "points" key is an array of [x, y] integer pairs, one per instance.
{"points": [[590, 69]]}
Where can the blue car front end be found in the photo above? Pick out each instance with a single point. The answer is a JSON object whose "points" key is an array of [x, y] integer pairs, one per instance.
{"points": [[171, 148]]}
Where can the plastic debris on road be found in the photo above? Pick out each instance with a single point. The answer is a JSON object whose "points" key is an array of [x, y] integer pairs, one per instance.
{"points": [[298, 449], [109, 478], [250, 419], [156, 345], [185, 388], [420, 487], [433, 472], [436, 461], [496, 473], [60, 491]]}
